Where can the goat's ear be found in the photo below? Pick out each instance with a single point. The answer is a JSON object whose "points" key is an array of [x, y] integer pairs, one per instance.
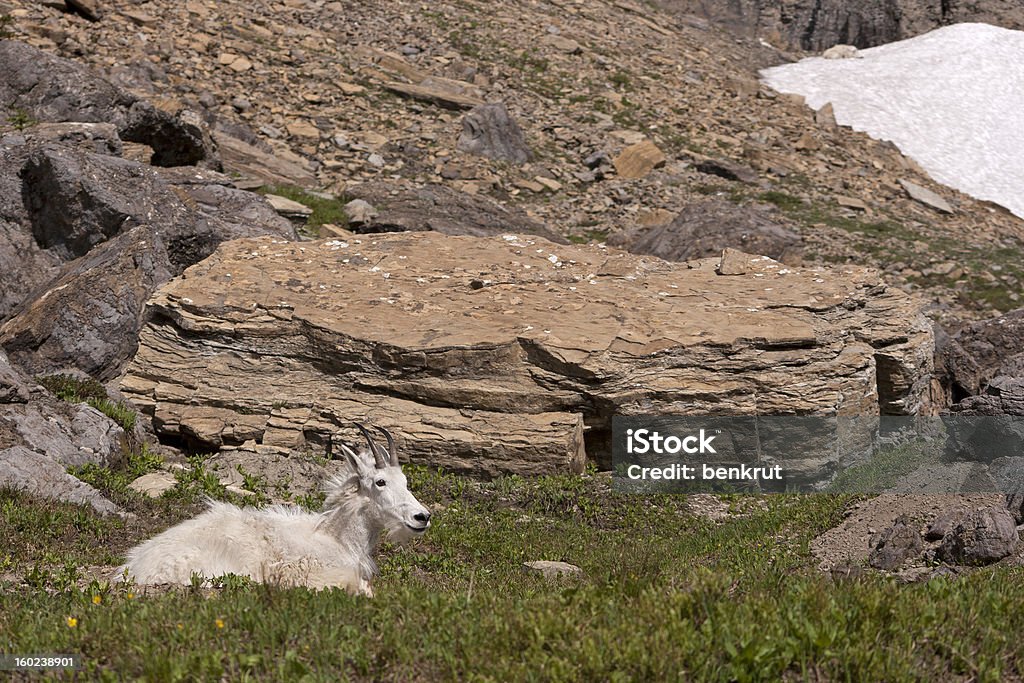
{"points": [[355, 462]]}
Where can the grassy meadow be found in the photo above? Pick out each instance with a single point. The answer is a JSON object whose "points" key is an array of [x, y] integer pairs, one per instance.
{"points": [[664, 595]]}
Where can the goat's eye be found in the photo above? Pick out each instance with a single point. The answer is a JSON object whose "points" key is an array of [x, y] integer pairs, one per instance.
{"points": [[381, 483]]}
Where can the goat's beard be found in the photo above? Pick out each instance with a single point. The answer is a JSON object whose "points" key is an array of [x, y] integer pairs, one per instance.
{"points": [[400, 533]]}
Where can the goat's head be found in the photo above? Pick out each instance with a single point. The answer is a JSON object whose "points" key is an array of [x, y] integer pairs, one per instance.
{"points": [[381, 482]]}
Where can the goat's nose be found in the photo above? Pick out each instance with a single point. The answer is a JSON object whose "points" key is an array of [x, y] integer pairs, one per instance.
{"points": [[423, 517]]}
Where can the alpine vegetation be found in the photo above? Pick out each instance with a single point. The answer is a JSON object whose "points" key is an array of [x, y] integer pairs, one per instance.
{"points": [[288, 546]]}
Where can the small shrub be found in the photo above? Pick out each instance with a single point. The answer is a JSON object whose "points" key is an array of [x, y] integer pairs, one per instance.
{"points": [[324, 210], [6, 21], [21, 119], [72, 389]]}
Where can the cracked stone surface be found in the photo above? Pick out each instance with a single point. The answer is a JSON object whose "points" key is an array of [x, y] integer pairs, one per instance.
{"points": [[490, 355]]}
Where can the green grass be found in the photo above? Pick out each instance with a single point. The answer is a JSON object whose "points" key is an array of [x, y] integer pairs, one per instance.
{"points": [[324, 210], [589, 237], [664, 596], [74, 390]]}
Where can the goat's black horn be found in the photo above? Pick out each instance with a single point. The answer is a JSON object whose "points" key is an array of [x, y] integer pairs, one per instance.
{"points": [[392, 451], [378, 459]]}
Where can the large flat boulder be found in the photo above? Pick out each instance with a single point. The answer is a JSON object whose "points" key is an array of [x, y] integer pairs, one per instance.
{"points": [[490, 355]]}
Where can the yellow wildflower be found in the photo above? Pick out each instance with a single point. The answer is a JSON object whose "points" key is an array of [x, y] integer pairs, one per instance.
{"points": [[220, 623], [96, 599], [130, 596], [72, 622]]}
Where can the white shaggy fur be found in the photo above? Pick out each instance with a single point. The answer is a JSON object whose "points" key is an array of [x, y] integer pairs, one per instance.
{"points": [[287, 545], [842, 52]]}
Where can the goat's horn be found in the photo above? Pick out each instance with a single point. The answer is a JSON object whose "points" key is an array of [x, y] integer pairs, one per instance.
{"points": [[378, 459], [392, 451]]}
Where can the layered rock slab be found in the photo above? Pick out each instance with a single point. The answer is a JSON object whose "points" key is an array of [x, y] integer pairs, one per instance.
{"points": [[491, 355]]}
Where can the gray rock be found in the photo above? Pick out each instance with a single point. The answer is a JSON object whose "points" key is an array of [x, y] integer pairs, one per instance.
{"points": [[130, 228], [13, 388], [101, 138], [925, 196], [290, 209], [154, 484], [980, 537], [437, 208], [90, 315], [552, 570], [1008, 474], [489, 131], [705, 229], [982, 351], [53, 89], [896, 545], [72, 434], [90, 9], [942, 525], [76, 201], [815, 26], [23, 469]]}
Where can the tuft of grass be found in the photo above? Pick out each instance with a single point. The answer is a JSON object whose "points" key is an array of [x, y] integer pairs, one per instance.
{"points": [[113, 481], [6, 21], [21, 119], [589, 237], [324, 210], [74, 390]]}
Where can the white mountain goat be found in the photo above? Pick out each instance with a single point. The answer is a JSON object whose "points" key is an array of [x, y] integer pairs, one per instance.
{"points": [[287, 545]]}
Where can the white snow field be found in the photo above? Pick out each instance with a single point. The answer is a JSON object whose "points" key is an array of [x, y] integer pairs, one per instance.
{"points": [[951, 99]]}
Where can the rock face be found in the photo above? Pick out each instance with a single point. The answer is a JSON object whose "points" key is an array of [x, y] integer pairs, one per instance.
{"points": [[490, 355], [821, 24], [49, 88], [704, 229]]}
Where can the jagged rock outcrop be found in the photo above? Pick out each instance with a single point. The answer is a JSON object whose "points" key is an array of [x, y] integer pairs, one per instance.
{"points": [[982, 351], [49, 88], [97, 235], [489, 355], [706, 228], [819, 24]]}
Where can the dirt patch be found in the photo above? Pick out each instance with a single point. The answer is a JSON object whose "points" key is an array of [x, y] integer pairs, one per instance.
{"points": [[849, 543]]}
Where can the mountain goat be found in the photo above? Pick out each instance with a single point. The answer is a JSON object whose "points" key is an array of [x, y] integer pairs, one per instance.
{"points": [[287, 545]]}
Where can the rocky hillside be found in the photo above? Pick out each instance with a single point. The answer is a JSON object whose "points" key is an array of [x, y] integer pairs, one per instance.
{"points": [[132, 134], [817, 25], [628, 116]]}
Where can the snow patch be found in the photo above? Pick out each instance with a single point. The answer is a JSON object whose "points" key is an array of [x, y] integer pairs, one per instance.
{"points": [[951, 99]]}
